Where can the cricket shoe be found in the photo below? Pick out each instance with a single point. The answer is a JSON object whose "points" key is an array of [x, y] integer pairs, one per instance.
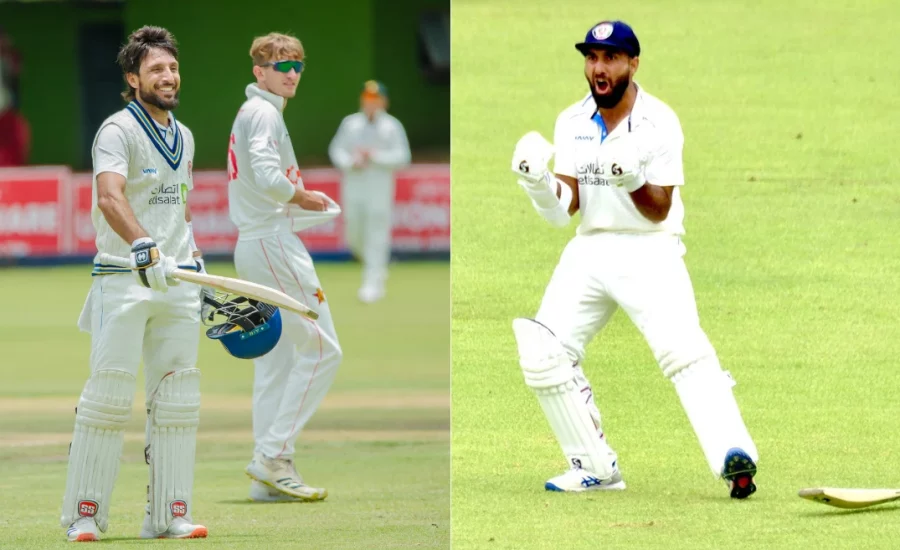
{"points": [[738, 471], [83, 530], [180, 528], [280, 474], [579, 480], [263, 493], [369, 294]]}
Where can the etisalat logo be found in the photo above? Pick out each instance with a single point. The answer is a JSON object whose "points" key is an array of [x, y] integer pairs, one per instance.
{"points": [[169, 194]]}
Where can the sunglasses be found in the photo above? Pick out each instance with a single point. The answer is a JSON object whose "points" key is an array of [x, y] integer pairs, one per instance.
{"points": [[286, 66]]}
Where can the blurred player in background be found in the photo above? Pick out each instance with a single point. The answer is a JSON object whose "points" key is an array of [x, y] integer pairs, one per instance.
{"points": [[142, 174], [269, 205], [15, 133], [368, 148], [619, 162]]}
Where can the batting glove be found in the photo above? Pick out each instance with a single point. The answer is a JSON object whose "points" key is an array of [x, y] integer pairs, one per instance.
{"points": [[149, 266], [531, 156]]}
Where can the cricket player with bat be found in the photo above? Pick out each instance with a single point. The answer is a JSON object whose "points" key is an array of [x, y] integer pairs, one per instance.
{"points": [[269, 205], [618, 161], [142, 162]]}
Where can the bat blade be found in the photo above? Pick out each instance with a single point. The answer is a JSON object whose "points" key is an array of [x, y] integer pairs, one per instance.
{"points": [[850, 498], [227, 284], [248, 289]]}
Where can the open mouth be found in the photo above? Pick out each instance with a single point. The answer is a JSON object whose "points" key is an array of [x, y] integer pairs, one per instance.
{"points": [[602, 86]]}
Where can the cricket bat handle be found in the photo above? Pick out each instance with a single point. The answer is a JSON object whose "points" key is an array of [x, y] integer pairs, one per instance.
{"points": [[116, 261]]}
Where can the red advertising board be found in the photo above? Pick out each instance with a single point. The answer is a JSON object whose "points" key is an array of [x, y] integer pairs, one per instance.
{"points": [[47, 212], [34, 211]]}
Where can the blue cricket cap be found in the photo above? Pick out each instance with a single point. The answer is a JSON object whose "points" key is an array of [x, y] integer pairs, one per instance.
{"points": [[611, 34]]}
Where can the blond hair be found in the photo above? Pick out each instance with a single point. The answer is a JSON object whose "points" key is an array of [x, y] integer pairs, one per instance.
{"points": [[275, 46]]}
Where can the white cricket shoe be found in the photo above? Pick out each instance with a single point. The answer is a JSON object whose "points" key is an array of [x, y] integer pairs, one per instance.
{"points": [[280, 474], [370, 293], [578, 480], [263, 493], [180, 528], [83, 530]]}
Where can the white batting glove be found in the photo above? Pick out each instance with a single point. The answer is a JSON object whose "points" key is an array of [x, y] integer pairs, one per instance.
{"points": [[626, 170], [149, 266], [531, 156]]}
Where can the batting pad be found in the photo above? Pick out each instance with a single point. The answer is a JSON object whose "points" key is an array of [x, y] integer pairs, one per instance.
{"points": [[100, 418], [173, 419], [549, 372]]}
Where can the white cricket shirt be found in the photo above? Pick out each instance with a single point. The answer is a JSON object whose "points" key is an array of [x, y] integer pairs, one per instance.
{"points": [[652, 134], [384, 136], [156, 162], [262, 167]]}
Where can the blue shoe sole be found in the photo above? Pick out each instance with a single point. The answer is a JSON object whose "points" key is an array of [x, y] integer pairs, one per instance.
{"points": [[551, 487], [739, 471]]}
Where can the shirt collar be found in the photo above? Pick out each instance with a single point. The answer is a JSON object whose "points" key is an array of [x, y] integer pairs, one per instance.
{"points": [[276, 100], [165, 129], [634, 119]]}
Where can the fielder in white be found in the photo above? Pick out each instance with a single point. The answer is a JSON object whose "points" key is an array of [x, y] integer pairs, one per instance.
{"points": [[369, 147], [142, 174], [268, 204], [619, 162]]}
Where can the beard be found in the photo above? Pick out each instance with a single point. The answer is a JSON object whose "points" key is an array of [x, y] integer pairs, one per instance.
{"points": [[615, 95], [151, 98]]}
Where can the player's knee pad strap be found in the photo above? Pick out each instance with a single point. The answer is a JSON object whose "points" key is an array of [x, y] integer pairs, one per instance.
{"points": [[174, 416], [549, 372], [100, 418]]}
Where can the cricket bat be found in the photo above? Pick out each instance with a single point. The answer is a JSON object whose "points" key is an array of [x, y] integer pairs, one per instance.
{"points": [[850, 498], [239, 287]]}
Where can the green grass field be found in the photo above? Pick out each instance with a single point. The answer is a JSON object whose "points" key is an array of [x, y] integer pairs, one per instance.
{"points": [[790, 115], [380, 443]]}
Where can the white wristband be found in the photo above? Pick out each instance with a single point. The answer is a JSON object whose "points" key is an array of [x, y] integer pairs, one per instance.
{"points": [[543, 197], [191, 238]]}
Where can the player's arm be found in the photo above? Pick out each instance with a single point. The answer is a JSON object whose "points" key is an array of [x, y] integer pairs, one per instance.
{"points": [[111, 167], [572, 183], [652, 192], [397, 154], [265, 161], [115, 208], [338, 150], [653, 201]]}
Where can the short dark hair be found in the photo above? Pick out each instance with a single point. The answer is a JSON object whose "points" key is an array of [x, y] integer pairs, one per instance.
{"points": [[139, 43]]}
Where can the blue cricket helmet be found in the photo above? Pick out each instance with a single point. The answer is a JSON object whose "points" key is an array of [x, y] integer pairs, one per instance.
{"points": [[251, 328]]}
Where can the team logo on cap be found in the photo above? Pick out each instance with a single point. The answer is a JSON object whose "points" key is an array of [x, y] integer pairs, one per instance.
{"points": [[602, 31]]}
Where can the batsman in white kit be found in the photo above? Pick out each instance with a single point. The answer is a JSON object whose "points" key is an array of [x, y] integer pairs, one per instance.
{"points": [[369, 147], [618, 161], [269, 205], [142, 174]]}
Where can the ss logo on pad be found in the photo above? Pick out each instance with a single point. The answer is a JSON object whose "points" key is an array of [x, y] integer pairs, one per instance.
{"points": [[87, 508], [179, 508]]}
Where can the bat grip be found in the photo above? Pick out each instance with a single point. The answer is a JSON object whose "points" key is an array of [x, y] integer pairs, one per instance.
{"points": [[117, 261]]}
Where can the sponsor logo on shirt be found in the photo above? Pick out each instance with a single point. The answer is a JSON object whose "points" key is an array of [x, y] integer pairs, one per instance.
{"points": [[169, 194], [590, 174], [150, 171]]}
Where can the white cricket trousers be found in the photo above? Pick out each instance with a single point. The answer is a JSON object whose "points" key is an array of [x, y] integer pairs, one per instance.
{"points": [[368, 208], [291, 380], [645, 275], [129, 322]]}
